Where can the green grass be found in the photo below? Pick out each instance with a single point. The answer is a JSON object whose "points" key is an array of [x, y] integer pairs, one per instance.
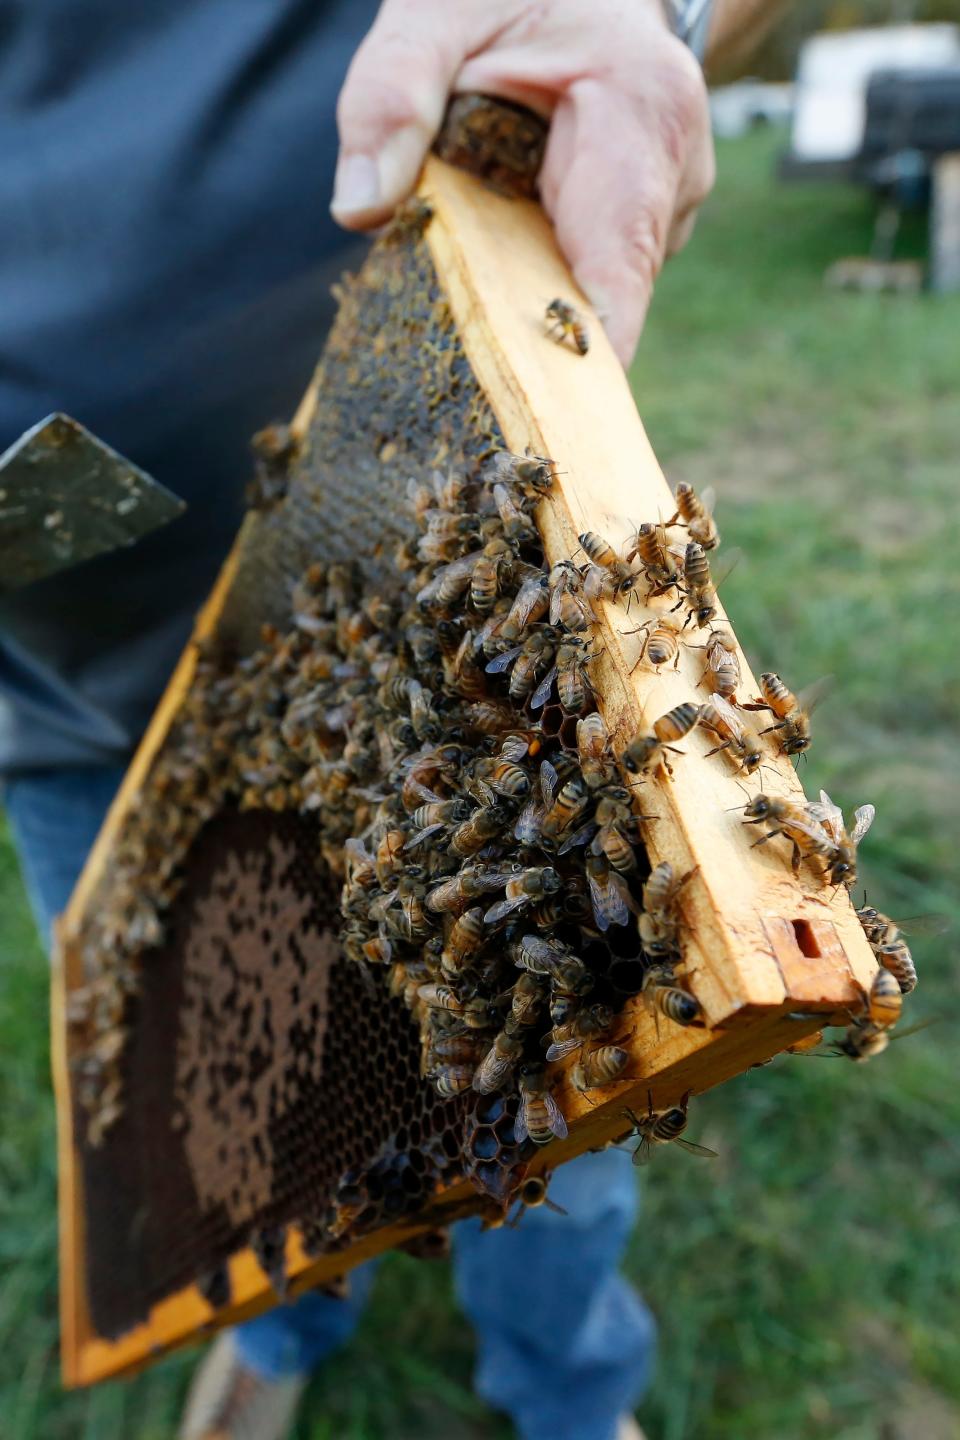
{"points": [[807, 1282]]}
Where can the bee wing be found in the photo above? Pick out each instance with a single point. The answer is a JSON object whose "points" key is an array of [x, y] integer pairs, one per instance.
{"points": [[557, 1123], [541, 695], [924, 925], [830, 815], [579, 837], [529, 596], [709, 499], [862, 820], [643, 1152], [503, 908], [548, 782], [544, 950], [527, 828], [501, 662], [815, 693], [625, 901], [811, 825], [520, 1130], [694, 1149], [563, 1047], [422, 835]]}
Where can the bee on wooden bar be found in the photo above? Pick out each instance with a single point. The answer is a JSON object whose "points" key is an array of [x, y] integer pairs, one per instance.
{"points": [[664, 998], [663, 1127], [599, 1067], [587, 1024], [660, 641], [566, 323], [700, 591], [647, 752], [792, 722], [529, 605], [722, 674], [885, 937], [736, 739], [696, 514], [539, 1116], [867, 1035], [806, 834], [842, 857], [662, 568], [531, 1194], [608, 577], [593, 749], [532, 473]]}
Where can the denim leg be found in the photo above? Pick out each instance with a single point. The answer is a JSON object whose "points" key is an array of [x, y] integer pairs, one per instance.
{"points": [[565, 1345], [55, 816], [295, 1339]]}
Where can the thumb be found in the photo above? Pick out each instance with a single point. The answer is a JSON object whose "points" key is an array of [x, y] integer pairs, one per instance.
{"points": [[390, 109]]}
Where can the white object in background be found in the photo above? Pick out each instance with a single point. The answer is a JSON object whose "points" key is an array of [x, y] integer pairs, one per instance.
{"points": [[830, 101], [734, 109]]}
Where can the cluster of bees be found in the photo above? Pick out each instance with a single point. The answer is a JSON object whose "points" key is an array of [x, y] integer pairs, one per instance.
{"points": [[445, 736]]}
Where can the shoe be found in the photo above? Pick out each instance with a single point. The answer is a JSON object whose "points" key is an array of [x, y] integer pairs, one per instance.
{"points": [[628, 1429], [229, 1402]]}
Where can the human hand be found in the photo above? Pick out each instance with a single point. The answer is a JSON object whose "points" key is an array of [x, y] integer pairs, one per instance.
{"points": [[629, 157]]}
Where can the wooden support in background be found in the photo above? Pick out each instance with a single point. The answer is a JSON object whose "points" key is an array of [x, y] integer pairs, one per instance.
{"points": [[762, 943]]}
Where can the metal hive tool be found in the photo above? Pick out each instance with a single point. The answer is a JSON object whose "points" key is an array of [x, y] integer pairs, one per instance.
{"points": [[240, 1114]]}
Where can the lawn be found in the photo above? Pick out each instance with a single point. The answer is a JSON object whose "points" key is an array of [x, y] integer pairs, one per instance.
{"points": [[808, 1284]]}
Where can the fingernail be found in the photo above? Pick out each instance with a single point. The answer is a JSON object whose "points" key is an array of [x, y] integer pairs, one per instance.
{"points": [[356, 186]]}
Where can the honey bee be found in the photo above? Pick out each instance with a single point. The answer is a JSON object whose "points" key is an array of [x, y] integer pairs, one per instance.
{"points": [[450, 1080], [792, 712], [533, 473], [736, 738], [469, 883], [434, 816], [573, 684], [722, 674], [586, 1024], [484, 825], [867, 1035], [666, 999], [487, 574], [599, 1067], [529, 605], [497, 1067], [464, 940], [593, 750], [565, 323], [608, 577], [663, 1127], [646, 752], [529, 661], [886, 940], [807, 836], [541, 956], [660, 564], [516, 525], [441, 997], [609, 897], [564, 807], [696, 514], [567, 605], [615, 821], [531, 1194], [539, 1117], [660, 641], [657, 924], [842, 857], [506, 777], [490, 716], [522, 889], [699, 589], [528, 997]]}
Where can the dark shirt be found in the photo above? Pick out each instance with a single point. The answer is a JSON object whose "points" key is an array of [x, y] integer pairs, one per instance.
{"points": [[166, 254]]}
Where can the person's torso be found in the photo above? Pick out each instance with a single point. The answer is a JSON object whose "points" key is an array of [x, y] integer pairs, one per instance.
{"points": [[165, 261]]}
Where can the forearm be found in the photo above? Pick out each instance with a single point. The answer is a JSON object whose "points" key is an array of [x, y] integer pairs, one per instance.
{"points": [[737, 27]]}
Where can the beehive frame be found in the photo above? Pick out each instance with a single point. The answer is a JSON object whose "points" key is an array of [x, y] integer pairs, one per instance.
{"points": [[762, 942]]}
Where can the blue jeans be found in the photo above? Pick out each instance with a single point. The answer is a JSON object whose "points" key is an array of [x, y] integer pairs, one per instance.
{"points": [[565, 1345]]}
